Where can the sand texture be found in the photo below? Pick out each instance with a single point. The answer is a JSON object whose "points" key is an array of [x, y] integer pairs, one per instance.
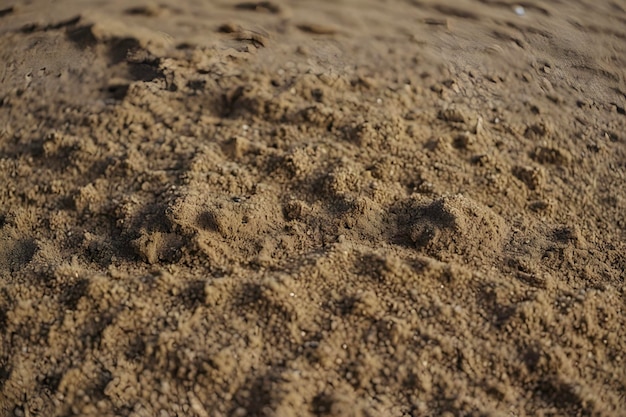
{"points": [[312, 208]]}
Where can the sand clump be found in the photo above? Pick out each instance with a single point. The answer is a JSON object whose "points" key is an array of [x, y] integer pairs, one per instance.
{"points": [[281, 209]]}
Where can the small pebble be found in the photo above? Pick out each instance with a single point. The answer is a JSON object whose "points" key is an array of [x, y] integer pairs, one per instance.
{"points": [[519, 10]]}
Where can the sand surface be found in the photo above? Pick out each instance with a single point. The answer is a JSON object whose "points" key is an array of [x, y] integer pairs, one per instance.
{"points": [[313, 208]]}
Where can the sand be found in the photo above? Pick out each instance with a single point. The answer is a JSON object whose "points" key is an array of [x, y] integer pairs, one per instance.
{"points": [[290, 208]]}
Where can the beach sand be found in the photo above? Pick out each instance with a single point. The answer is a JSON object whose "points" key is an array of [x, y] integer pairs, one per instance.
{"points": [[291, 208]]}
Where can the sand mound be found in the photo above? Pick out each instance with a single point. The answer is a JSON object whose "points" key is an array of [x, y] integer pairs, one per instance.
{"points": [[458, 225]]}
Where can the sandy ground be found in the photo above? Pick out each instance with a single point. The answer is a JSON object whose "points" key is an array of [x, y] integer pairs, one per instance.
{"points": [[322, 208]]}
